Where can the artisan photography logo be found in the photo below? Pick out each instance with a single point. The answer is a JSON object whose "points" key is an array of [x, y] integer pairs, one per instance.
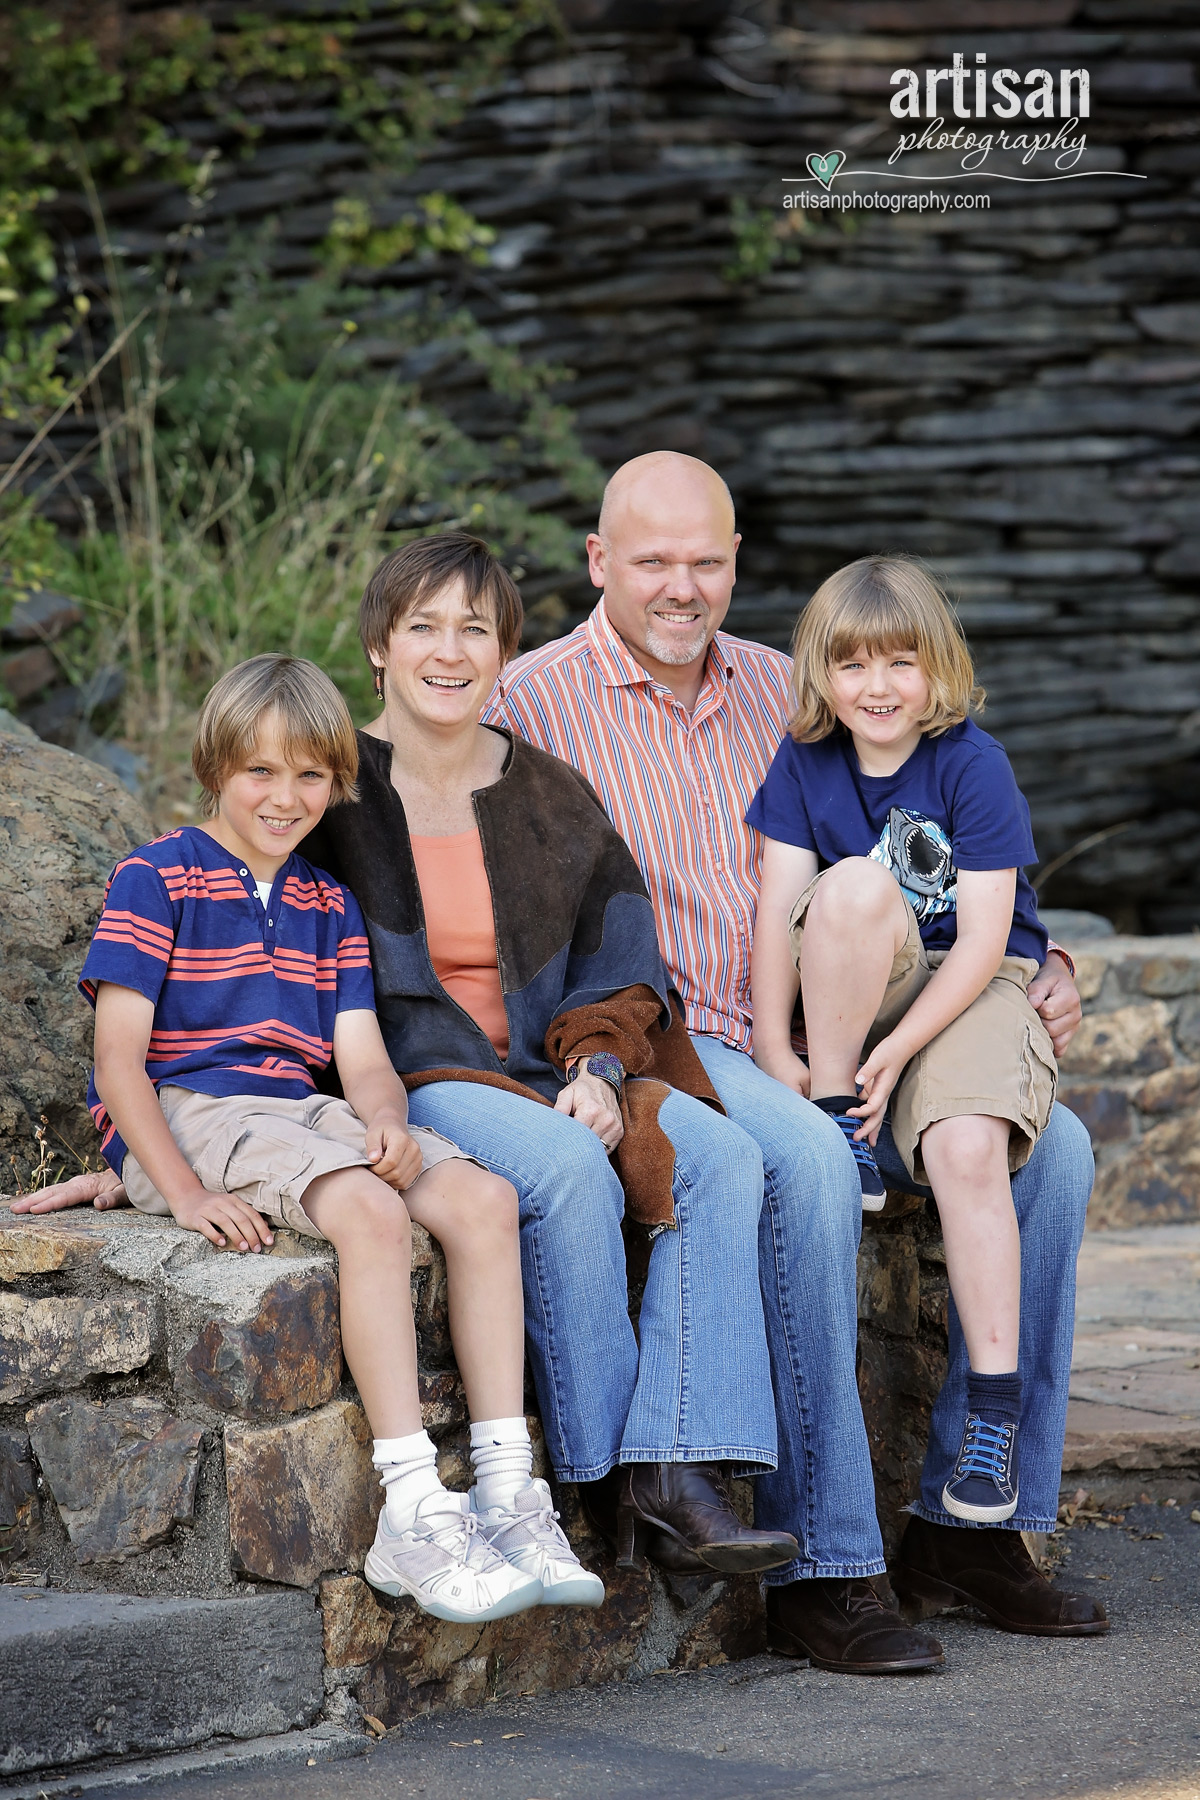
{"points": [[1008, 96], [966, 124]]}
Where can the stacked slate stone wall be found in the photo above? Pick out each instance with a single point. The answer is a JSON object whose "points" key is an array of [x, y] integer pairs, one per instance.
{"points": [[1013, 393]]}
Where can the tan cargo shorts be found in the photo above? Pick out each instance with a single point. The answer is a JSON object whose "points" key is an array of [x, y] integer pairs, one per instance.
{"points": [[995, 1059], [267, 1150]]}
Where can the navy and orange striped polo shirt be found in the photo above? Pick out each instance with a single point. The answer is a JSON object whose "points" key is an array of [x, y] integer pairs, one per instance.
{"points": [[245, 997]]}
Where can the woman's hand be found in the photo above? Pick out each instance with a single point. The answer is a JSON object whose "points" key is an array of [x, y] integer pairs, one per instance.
{"points": [[787, 1067], [594, 1103], [393, 1153], [877, 1077], [101, 1187]]}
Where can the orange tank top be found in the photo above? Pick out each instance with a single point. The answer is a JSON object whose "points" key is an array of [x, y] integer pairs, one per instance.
{"points": [[460, 929]]}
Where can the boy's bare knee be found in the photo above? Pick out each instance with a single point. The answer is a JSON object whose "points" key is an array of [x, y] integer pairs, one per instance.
{"points": [[361, 1208], [852, 890], [965, 1147], [481, 1213], [499, 1197]]}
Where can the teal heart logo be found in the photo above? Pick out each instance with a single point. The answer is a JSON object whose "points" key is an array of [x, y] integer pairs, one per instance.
{"points": [[826, 167]]}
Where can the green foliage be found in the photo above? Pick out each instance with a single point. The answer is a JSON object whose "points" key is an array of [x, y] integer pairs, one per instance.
{"points": [[60, 89], [436, 224], [29, 545], [257, 466], [762, 240], [255, 460]]}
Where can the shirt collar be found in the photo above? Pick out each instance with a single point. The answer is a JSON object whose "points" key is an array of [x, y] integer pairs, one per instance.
{"points": [[620, 668]]}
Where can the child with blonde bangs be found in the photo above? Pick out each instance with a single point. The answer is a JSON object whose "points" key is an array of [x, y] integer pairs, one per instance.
{"points": [[226, 973], [893, 901]]}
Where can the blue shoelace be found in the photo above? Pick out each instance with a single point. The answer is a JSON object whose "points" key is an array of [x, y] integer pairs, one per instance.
{"points": [[860, 1149], [986, 1450]]}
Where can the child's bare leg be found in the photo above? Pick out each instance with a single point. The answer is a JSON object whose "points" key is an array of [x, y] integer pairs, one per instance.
{"points": [[424, 1544], [473, 1216], [855, 925], [367, 1222], [966, 1160]]}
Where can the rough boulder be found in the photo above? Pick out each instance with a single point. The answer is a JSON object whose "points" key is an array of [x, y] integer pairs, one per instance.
{"points": [[64, 822]]}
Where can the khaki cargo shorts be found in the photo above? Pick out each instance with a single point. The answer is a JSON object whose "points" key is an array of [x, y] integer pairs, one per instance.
{"points": [[995, 1059], [267, 1150]]}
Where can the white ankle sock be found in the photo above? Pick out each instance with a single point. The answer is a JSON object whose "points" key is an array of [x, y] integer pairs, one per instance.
{"points": [[408, 1471], [502, 1458]]}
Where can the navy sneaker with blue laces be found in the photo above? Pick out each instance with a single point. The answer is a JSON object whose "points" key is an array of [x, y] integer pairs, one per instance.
{"points": [[874, 1191], [983, 1487]]}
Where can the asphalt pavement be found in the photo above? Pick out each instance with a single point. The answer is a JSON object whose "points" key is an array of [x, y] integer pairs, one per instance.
{"points": [[1115, 1716]]}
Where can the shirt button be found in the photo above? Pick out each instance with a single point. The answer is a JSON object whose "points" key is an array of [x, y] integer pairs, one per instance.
{"points": [[243, 871], [270, 921]]}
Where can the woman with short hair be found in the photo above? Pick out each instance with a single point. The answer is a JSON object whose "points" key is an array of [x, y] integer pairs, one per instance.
{"points": [[522, 996]]}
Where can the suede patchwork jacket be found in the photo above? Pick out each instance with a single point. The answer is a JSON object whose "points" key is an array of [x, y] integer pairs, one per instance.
{"points": [[573, 919], [577, 949]]}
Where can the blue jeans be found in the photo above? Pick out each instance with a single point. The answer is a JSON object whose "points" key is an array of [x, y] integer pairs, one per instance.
{"points": [[694, 1385], [814, 1405], [1050, 1195], [823, 1491]]}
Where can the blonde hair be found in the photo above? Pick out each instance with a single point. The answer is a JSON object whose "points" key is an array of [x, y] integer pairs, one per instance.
{"points": [[881, 604], [314, 724]]}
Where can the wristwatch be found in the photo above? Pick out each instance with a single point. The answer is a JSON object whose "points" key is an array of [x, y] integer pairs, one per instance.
{"points": [[602, 1063]]}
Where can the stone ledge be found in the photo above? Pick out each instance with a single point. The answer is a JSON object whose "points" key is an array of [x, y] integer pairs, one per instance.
{"points": [[1156, 967], [47, 1345], [236, 1455], [239, 1668], [1133, 1421], [123, 1474], [319, 1744], [1132, 1074], [1102, 1437]]}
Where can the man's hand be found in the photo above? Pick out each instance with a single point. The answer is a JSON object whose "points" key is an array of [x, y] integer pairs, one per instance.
{"points": [[101, 1187], [221, 1217], [787, 1067], [393, 1153], [594, 1103], [877, 1077], [1055, 998]]}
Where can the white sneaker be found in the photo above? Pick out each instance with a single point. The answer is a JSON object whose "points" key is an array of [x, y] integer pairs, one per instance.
{"points": [[528, 1536], [446, 1564]]}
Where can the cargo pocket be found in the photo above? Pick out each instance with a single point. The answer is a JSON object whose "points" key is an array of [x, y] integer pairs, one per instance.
{"points": [[247, 1161], [213, 1160], [1039, 1080]]}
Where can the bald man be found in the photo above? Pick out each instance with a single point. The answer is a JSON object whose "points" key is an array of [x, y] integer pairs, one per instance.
{"points": [[675, 722]]}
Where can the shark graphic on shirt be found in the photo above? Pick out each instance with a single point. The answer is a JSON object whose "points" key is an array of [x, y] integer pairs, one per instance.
{"points": [[919, 854]]}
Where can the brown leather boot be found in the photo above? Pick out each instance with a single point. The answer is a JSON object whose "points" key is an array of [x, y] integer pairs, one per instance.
{"points": [[844, 1626], [599, 1502], [680, 1514], [950, 1565]]}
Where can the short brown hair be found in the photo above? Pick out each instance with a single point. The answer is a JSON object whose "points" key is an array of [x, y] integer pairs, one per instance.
{"points": [[314, 724], [883, 603], [426, 565]]}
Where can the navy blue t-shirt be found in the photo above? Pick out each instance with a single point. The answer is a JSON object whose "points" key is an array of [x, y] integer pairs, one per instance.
{"points": [[953, 805]]}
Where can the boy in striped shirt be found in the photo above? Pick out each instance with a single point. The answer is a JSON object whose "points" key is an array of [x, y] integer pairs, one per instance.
{"points": [[226, 971]]}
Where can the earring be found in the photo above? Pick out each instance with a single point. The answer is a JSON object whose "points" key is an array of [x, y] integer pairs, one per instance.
{"points": [[378, 682], [500, 688]]}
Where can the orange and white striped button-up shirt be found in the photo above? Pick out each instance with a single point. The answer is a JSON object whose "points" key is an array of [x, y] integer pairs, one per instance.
{"points": [[675, 784]]}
